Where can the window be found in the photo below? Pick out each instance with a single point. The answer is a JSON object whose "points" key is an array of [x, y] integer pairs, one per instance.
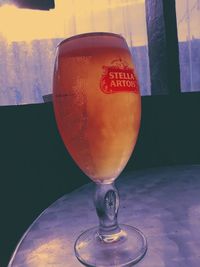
{"points": [[28, 39], [188, 23]]}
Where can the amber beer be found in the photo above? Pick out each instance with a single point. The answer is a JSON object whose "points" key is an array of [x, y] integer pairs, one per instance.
{"points": [[97, 103]]}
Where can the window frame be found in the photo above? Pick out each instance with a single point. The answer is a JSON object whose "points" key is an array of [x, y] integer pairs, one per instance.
{"points": [[163, 47]]}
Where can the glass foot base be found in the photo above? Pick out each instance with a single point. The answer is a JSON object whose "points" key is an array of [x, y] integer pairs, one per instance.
{"points": [[125, 251]]}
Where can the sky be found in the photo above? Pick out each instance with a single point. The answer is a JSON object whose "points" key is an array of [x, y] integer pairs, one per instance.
{"points": [[70, 17]]}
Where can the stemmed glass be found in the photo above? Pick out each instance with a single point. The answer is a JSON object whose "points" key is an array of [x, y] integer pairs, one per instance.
{"points": [[97, 106]]}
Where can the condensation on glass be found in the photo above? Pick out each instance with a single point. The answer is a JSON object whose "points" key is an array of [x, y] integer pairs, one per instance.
{"points": [[188, 22], [28, 44]]}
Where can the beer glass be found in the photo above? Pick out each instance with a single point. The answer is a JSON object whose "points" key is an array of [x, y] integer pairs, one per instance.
{"points": [[97, 106]]}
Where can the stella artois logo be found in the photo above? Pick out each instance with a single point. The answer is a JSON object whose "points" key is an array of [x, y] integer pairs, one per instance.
{"points": [[118, 77]]}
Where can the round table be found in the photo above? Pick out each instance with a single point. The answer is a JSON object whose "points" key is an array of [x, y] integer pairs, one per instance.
{"points": [[164, 203]]}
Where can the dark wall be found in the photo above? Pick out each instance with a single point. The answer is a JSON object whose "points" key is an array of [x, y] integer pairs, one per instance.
{"points": [[35, 168], [170, 131]]}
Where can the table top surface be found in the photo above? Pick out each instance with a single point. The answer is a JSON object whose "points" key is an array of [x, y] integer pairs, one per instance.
{"points": [[164, 203]]}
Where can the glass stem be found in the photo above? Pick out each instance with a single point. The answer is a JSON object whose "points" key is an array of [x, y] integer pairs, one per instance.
{"points": [[106, 201]]}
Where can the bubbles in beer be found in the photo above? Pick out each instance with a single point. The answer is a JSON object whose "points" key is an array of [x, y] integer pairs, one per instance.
{"points": [[99, 129]]}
